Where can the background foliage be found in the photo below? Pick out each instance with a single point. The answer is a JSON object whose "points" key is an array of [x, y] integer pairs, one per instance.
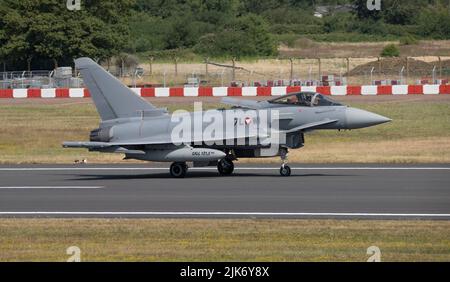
{"points": [[43, 33]]}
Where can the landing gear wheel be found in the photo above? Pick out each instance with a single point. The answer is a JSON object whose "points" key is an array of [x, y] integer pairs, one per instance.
{"points": [[178, 170], [225, 167], [285, 170]]}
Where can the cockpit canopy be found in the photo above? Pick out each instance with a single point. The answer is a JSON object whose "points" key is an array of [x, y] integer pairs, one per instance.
{"points": [[305, 99]]}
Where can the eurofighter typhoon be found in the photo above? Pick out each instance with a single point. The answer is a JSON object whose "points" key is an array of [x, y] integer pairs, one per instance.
{"points": [[249, 129]]}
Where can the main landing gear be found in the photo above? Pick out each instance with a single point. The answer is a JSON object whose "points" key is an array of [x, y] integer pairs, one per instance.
{"points": [[178, 170], [225, 167], [285, 170]]}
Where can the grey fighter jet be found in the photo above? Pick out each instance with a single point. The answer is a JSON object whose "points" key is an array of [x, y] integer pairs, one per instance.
{"points": [[132, 126]]}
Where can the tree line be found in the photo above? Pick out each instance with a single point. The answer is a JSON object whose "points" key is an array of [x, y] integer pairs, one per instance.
{"points": [[44, 33]]}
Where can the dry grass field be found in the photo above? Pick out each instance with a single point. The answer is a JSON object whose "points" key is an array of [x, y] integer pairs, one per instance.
{"points": [[32, 132], [333, 61], [307, 48], [222, 240]]}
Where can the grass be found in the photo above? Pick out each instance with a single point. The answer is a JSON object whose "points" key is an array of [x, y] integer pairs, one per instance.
{"points": [[33, 132], [420, 133], [222, 240]]}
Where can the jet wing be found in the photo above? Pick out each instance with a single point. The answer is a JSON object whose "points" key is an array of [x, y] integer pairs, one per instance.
{"points": [[311, 126], [88, 145], [155, 141], [102, 147], [248, 104]]}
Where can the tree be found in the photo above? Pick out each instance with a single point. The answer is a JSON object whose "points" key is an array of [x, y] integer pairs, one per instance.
{"points": [[390, 50], [45, 30], [245, 36], [434, 23], [256, 31]]}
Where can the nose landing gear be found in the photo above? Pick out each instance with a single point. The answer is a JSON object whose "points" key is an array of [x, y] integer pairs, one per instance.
{"points": [[285, 170]]}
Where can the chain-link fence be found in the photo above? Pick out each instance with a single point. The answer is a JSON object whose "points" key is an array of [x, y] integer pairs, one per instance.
{"points": [[283, 72], [266, 72], [40, 79]]}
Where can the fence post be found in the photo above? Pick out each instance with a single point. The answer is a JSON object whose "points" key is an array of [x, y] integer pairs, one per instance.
{"points": [[164, 78], [206, 68], [234, 69], [291, 77], [320, 68], [122, 67], [401, 75], [176, 66], [433, 75], [348, 66], [151, 64], [379, 66], [371, 76], [29, 63], [440, 65], [407, 69]]}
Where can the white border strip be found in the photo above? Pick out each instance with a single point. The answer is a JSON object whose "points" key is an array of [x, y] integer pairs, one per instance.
{"points": [[232, 214], [211, 168]]}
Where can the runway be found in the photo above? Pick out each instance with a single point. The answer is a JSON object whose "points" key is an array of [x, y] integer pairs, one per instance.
{"points": [[254, 191]]}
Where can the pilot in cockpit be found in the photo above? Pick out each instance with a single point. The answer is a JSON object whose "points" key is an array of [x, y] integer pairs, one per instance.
{"points": [[293, 100]]}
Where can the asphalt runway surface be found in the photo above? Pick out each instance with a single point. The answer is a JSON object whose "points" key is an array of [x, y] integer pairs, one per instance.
{"points": [[254, 191]]}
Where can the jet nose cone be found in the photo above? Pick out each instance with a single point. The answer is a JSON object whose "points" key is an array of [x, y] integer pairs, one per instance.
{"points": [[357, 118]]}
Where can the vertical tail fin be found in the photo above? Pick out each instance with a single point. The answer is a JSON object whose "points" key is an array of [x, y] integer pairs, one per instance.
{"points": [[111, 97]]}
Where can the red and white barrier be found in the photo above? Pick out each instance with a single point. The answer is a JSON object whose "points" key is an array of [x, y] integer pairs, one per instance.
{"points": [[365, 90]]}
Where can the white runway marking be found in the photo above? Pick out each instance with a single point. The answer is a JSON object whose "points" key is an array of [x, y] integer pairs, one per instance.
{"points": [[51, 187], [213, 168], [269, 214]]}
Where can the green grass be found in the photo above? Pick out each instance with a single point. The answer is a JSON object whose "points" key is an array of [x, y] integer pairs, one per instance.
{"points": [[410, 120], [222, 240], [420, 132]]}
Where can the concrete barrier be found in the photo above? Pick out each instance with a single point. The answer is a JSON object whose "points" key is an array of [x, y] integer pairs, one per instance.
{"points": [[365, 90]]}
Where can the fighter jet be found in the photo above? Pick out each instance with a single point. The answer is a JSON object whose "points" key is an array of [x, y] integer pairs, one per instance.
{"points": [[134, 127]]}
